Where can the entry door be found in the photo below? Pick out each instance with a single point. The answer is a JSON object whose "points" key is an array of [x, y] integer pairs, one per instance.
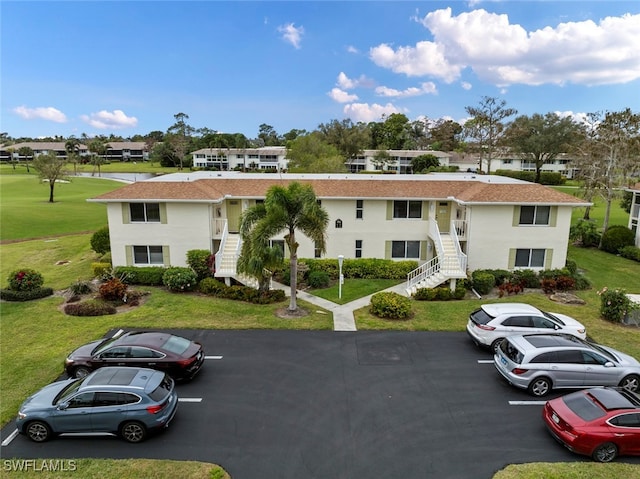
{"points": [[234, 210], [443, 216]]}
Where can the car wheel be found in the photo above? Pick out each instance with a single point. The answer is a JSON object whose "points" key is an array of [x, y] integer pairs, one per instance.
{"points": [[133, 431], [631, 383], [606, 452], [496, 344], [81, 372], [38, 431], [540, 387]]}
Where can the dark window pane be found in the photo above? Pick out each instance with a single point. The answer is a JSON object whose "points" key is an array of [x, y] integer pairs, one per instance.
{"points": [[413, 249], [527, 214], [399, 209], [153, 212], [537, 258], [522, 258], [542, 215], [137, 211], [155, 255], [140, 255], [397, 249], [415, 209]]}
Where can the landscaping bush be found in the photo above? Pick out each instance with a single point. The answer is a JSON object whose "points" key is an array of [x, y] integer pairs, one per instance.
{"points": [[100, 242], [200, 261], [99, 270], [630, 252], [460, 292], [585, 233], [565, 283], [501, 275], [390, 305], [510, 287], [548, 285], [366, 268], [213, 287], [28, 295], [318, 279], [113, 290], [614, 304], [25, 279], [178, 278], [81, 287], [92, 307], [571, 266], [616, 238], [424, 294], [482, 281], [147, 275], [528, 278]]}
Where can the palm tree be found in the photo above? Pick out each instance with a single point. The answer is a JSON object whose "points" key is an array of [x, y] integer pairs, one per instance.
{"points": [[27, 153], [286, 210], [72, 146]]}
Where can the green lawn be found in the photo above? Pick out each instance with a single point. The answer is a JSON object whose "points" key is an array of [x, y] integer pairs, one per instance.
{"points": [[36, 335]]}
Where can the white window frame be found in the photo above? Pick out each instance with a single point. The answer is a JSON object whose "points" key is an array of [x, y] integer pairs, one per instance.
{"points": [[532, 253], [406, 248], [537, 213], [145, 207], [151, 257], [408, 209]]}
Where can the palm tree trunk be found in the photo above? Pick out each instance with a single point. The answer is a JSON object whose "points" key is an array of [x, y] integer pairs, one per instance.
{"points": [[293, 267]]}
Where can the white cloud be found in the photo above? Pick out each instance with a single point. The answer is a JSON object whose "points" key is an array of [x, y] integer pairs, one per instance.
{"points": [[427, 87], [291, 34], [341, 96], [352, 49], [367, 113], [503, 53], [581, 118], [115, 119], [41, 113], [347, 83], [466, 85]]}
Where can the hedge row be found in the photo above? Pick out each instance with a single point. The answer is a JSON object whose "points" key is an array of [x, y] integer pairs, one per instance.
{"points": [[11, 295], [546, 177], [147, 275], [92, 307], [213, 287], [365, 268]]}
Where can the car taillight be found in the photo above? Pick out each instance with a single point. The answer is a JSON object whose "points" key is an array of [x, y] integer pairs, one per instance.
{"points": [[155, 409], [519, 371], [183, 363], [485, 327]]}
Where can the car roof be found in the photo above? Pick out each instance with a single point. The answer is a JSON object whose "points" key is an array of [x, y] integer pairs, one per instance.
{"points": [[615, 398], [497, 309], [146, 338], [138, 378], [528, 342]]}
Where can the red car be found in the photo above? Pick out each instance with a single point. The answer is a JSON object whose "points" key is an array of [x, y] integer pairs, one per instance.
{"points": [[180, 358], [600, 422]]}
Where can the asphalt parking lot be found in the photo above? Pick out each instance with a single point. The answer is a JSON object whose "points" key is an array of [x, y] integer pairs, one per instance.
{"points": [[352, 405]]}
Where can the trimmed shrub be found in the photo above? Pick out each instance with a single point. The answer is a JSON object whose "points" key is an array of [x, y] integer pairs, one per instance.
{"points": [[99, 270], [616, 238], [390, 305], [424, 294], [528, 278], [100, 242], [571, 266], [92, 307], [582, 282], [106, 258], [501, 275], [548, 285], [460, 292], [614, 304], [585, 233], [199, 260], [178, 278], [28, 295], [565, 283], [146, 275], [113, 290], [318, 279], [482, 281], [630, 252], [25, 279], [367, 268], [211, 286]]}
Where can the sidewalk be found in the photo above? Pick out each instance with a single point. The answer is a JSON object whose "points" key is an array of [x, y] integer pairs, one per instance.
{"points": [[343, 319]]}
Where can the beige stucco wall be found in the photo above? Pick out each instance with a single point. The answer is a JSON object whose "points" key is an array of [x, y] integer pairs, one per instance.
{"points": [[491, 235], [187, 228]]}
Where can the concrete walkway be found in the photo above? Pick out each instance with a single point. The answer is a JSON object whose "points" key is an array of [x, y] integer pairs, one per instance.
{"points": [[343, 319]]}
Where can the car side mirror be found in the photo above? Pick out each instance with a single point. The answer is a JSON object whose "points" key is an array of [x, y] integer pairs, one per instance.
{"points": [[609, 364], [62, 406]]}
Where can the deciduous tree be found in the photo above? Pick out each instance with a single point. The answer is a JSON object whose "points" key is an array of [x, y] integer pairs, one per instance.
{"points": [[50, 167]]}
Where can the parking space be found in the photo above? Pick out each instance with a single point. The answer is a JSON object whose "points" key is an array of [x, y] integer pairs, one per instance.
{"points": [[294, 404]]}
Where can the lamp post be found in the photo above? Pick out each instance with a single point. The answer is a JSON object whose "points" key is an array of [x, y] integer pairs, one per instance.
{"points": [[341, 278]]}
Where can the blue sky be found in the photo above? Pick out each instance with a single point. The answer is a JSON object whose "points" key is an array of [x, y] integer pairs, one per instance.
{"points": [[101, 67]]}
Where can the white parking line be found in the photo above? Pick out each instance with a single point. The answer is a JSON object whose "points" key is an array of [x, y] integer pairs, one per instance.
{"points": [[485, 361], [527, 403], [189, 399], [213, 357], [10, 438]]}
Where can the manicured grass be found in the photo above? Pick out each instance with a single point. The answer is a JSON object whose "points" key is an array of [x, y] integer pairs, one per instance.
{"points": [[596, 213], [115, 469], [115, 167], [27, 213], [353, 289], [573, 470]]}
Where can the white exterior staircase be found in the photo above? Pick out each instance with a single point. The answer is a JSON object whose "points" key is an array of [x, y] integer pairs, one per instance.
{"points": [[449, 264]]}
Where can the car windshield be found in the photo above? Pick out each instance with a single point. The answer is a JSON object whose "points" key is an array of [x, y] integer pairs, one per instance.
{"points": [[103, 345], [553, 318], [176, 344], [583, 406], [68, 391]]}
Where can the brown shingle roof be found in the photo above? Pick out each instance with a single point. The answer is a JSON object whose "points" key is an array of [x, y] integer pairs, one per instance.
{"points": [[215, 189]]}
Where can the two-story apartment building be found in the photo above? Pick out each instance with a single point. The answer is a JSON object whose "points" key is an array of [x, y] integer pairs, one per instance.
{"points": [[449, 223], [116, 150], [634, 214]]}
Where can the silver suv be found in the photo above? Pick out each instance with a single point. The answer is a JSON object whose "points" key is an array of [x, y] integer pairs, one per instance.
{"points": [[542, 362]]}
